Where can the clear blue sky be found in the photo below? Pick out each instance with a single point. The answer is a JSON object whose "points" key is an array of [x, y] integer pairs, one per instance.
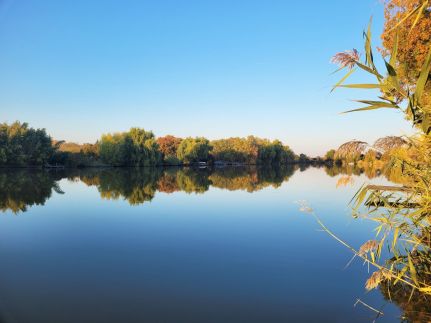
{"points": [[214, 68]]}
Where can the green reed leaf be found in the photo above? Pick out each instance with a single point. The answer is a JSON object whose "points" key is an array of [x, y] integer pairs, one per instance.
{"points": [[343, 79], [362, 86], [423, 77], [371, 107], [393, 59], [418, 16]]}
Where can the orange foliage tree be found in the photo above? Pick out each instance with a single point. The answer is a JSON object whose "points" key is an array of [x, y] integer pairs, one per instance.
{"points": [[168, 145], [411, 20]]}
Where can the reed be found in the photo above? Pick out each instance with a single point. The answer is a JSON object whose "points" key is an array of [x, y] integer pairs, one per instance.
{"points": [[402, 213]]}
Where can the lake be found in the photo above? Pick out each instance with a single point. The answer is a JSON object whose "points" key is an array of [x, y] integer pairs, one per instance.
{"points": [[182, 245]]}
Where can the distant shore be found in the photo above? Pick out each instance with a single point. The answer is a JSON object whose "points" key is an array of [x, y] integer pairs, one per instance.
{"points": [[319, 162]]}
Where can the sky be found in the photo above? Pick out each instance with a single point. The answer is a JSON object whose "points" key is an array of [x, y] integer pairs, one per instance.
{"points": [[214, 68]]}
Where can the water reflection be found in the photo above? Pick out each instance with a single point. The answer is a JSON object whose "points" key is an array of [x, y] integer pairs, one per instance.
{"points": [[136, 186], [140, 185], [22, 188], [145, 249], [390, 172], [416, 307]]}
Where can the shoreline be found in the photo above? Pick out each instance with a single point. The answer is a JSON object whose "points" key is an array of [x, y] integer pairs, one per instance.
{"points": [[195, 165]]}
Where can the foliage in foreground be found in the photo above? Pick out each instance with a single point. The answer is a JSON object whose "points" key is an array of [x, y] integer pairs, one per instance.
{"points": [[402, 214]]}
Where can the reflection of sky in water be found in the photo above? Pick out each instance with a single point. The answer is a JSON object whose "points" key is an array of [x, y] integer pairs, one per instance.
{"points": [[221, 256]]}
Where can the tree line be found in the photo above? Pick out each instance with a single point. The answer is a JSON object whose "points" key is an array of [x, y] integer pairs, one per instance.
{"points": [[21, 145]]}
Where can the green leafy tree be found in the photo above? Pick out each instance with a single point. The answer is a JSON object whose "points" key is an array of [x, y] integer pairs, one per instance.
{"points": [[330, 154], [21, 145], [115, 149], [144, 150], [193, 150], [136, 147], [251, 150]]}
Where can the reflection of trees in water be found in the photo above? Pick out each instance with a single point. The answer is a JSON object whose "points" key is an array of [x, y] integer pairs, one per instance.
{"points": [[136, 185], [193, 180], [344, 169], [239, 178], [390, 172], [189, 180], [23, 187], [250, 179], [168, 181], [20, 188]]}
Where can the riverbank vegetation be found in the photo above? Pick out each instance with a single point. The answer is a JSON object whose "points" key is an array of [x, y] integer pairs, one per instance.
{"points": [[21, 145], [372, 160]]}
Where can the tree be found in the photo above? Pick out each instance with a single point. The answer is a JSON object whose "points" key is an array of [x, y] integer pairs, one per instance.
{"points": [[251, 150], [136, 147], [21, 145], [144, 150], [168, 146], [413, 43], [115, 149], [90, 149], [330, 154], [193, 150], [274, 152], [412, 37]]}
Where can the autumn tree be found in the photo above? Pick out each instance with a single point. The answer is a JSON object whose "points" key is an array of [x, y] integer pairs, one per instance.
{"points": [[413, 43], [410, 22], [168, 145], [240, 150]]}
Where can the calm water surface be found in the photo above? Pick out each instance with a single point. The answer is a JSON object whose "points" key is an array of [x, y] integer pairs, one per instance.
{"points": [[180, 245]]}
